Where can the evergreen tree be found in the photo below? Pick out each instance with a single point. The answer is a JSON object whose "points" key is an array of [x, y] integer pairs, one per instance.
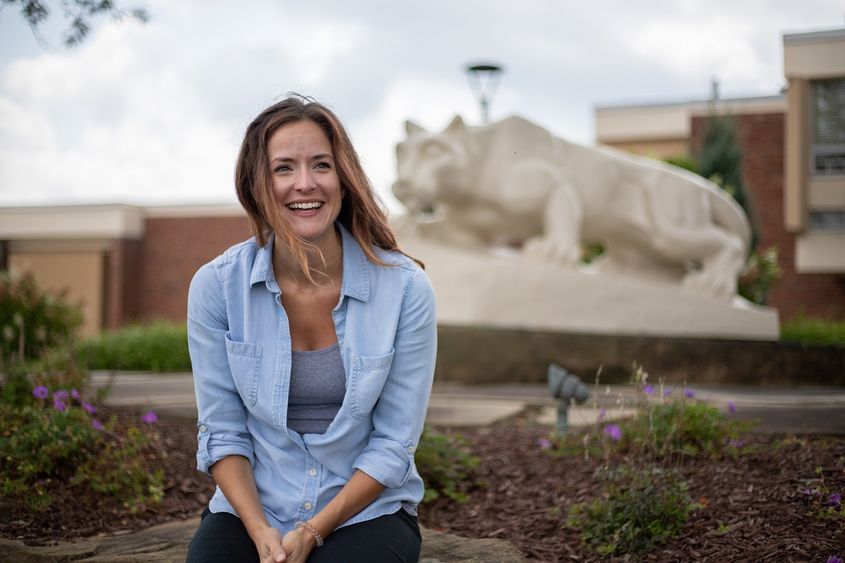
{"points": [[721, 161]]}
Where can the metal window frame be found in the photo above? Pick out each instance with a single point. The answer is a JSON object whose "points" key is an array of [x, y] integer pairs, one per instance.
{"points": [[820, 149]]}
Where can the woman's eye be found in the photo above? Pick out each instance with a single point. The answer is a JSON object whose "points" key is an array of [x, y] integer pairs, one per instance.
{"points": [[323, 165], [282, 168]]}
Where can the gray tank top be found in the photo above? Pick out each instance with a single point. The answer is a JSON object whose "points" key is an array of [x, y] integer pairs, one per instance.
{"points": [[317, 387]]}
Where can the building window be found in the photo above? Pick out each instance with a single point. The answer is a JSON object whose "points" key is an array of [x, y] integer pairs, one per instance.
{"points": [[829, 127]]}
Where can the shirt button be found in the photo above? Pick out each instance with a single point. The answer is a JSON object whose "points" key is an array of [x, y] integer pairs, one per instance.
{"points": [[203, 428], [307, 506], [312, 472]]}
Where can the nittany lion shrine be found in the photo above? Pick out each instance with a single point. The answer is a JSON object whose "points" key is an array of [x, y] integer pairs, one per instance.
{"points": [[501, 214]]}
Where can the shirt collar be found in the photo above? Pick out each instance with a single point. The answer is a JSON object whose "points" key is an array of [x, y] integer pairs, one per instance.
{"points": [[356, 279]]}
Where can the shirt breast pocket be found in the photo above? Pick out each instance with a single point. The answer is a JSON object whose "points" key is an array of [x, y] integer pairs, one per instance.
{"points": [[369, 374], [245, 364]]}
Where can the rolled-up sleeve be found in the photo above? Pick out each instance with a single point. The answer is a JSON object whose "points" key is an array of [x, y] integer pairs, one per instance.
{"points": [[399, 415], [222, 419]]}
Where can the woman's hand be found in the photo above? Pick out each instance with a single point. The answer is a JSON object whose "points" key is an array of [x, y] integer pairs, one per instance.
{"points": [[298, 544], [269, 544]]}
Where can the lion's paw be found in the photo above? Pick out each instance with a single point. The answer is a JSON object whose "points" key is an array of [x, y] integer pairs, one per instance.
{"points": [[711, 284], [552, 250]]}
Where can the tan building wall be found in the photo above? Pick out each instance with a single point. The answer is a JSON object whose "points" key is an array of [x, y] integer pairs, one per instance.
{"points": [[77, 274], [809, 58]]}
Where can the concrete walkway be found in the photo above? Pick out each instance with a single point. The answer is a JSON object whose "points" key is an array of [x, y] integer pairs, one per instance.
{"points": [[780, 409]]}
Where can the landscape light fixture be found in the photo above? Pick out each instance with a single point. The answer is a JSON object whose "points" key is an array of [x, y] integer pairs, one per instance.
{"points": [[484, 79], [568, 389]]}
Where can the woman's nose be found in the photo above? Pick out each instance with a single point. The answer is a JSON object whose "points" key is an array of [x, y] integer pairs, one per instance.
{"points": [[304, 181]]}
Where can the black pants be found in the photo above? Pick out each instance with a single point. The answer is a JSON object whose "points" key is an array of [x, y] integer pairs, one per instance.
{"points": [[222, 537]]}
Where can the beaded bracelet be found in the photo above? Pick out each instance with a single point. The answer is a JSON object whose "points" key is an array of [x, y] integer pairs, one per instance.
{"points": [[310, 527]]}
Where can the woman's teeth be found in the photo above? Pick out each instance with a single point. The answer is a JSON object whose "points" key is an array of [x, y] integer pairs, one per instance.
{"points": [[306, 205]]}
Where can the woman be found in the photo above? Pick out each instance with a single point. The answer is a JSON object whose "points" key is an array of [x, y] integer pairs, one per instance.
{"points": [[313, 348]]}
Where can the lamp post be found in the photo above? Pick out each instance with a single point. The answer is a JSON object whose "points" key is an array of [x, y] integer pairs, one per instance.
{"points": [[484, 79]]}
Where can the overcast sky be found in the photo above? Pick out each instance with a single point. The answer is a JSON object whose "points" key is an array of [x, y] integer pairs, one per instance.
{"points": [[154, 113]]}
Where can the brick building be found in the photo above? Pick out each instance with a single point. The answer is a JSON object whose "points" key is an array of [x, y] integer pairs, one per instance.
{"points": [[793, 147], [121, 263]]}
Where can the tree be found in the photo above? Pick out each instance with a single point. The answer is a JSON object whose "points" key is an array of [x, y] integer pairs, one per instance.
{"points": [[721, 161], [78, 13]]}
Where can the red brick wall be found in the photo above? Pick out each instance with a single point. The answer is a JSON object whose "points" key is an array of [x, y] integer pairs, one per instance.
{"points": [[122, 299], [761, 137], [173, 250]]}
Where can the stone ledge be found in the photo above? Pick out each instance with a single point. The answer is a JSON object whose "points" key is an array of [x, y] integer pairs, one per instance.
{"points": [[169, 542]]}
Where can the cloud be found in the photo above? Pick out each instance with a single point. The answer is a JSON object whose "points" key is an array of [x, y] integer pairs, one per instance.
{"points": [[156, 112]]}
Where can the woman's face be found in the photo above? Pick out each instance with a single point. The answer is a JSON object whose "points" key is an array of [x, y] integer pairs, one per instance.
{"points": [[305, 180]]}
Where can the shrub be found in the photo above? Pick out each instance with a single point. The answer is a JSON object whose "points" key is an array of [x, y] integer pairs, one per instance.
{"points": [[681, 427], [158, 346], [55, 440], [446, 466], [814, 331], [32, 320], [759, 276], [641, 508]]}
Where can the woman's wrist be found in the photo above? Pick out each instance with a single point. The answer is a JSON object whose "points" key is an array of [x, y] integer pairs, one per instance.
{"points": [[256, 527], [313, 536]]}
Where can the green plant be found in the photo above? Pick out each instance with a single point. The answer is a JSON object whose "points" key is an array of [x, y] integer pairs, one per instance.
{"points": [[759, 276], [682, 161], [720, 160], [446, 466], [824, 502], [32, 320], [119, 470], [682, 427], [158, 346], [814, 331], [641, 508], [55, 441]]}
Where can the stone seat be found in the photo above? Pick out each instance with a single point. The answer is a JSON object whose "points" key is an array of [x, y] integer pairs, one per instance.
{"points": [[169, 542]]}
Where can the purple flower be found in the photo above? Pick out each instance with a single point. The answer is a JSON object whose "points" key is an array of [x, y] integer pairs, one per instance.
{"points": [[75, 394], [732, 407], [835, 499], [648, 389], [61, 395], [544, 443], [834, 559], [96, 424], [149, 417], [89, 408], [41, 392], [613, 431], [667, 392], [602, 414], [736, 443], [59, 405], [689, 393]]}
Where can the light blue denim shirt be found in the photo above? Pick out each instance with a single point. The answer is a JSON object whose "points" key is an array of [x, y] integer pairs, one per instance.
{"points": [[240, 346]]}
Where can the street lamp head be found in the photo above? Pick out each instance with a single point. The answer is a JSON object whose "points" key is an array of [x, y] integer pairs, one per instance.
{"points": [[483, 79], [484, 68]]}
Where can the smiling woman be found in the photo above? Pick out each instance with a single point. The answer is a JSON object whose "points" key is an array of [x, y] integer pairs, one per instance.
{"points": [[313, 348]]}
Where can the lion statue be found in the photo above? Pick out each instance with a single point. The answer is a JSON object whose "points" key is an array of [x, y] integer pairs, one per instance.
{"points": [[512, 183]]}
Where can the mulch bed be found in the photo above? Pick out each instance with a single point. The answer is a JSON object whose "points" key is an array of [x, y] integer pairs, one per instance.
{"points": [[753, 508]]}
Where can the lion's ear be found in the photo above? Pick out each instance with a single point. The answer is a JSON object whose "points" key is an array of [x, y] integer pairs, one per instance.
{"points": [[412, 129], [456, 126]]}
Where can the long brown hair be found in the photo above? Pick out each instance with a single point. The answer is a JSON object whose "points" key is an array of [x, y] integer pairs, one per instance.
{"points": [[361, 211]]}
